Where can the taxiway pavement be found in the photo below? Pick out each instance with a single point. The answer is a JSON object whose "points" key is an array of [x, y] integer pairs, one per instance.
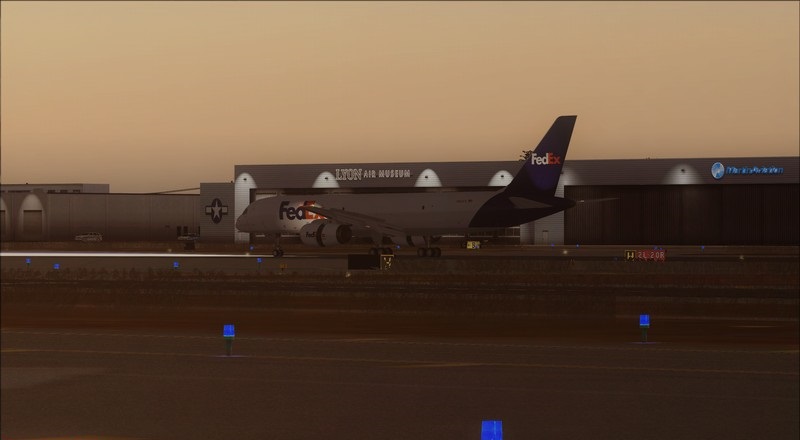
{"points": [[179, 384]]}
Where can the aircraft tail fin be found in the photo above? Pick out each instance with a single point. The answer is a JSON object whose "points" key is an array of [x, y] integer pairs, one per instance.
{"points": [[540, 173]]}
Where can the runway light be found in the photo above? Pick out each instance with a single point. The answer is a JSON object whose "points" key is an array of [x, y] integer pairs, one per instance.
{"points": [[228, 334], [564, 252], [644, 324], [492, 430], [702, 248]]}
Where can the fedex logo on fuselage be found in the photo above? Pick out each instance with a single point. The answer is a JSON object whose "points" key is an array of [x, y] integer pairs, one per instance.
{"points": [[547, 159], [299, 213]]}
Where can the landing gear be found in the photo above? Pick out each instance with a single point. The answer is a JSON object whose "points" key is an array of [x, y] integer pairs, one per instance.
{"points": [[429, 252], [277, 250], [381, 251]]}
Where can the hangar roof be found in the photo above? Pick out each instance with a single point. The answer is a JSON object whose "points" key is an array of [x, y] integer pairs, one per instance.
{"points": [[734, 170]]}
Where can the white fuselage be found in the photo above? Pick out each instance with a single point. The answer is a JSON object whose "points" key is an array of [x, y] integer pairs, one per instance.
{"points": [[416, 213]]}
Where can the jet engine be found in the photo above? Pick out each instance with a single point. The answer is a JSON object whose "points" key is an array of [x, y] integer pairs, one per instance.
{"points": [[323, 233]]}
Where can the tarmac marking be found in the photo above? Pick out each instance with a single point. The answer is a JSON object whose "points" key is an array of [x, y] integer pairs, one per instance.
{"points": [[625, 347], [416, 362], [514, 388], [83, 437], [752, 326], [444, 365], [356, 340]]}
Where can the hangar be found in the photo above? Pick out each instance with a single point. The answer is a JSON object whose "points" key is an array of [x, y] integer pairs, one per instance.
{"points": [[714, 201], [709, 201], [58, 212]]}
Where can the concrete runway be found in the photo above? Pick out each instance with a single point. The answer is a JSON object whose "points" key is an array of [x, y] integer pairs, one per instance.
{"points": [[177, 384]]}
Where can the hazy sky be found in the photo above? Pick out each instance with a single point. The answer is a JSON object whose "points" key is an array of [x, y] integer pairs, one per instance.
{"points": [[153, 96]]}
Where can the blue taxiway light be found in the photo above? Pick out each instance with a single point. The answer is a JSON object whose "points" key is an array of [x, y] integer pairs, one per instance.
{"points": [[56, 266], [258, 260], [175, 265], [492, 430], [644, 321], [27, 261], [228, 331]]}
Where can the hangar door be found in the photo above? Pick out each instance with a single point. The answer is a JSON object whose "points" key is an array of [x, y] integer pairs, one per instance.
{"points": [[31, 225], [683, 214]]}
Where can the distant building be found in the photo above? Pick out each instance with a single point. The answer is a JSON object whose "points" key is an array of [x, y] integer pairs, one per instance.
{"points": [[59, 212], [708, 201], [742, 201], [60, 188]]}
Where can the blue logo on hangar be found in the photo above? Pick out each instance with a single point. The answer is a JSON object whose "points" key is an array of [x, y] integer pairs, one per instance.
{"points": [[718, 170]]}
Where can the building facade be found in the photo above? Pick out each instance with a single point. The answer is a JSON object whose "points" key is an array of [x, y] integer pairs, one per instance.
{"points": [[733, 201], [39, 215], [705, 201]]}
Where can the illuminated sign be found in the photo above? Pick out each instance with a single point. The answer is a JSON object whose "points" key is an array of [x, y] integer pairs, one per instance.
{"points": [[646, 255], [228, 331], [718, 170]]}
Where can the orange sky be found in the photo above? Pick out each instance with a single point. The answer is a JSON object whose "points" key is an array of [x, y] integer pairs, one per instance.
{"points": [[153, 96]]}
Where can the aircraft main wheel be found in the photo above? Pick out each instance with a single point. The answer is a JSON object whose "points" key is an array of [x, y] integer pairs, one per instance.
{"points": [[277, 253], [422, 252], [436, 252], [387, 251]]}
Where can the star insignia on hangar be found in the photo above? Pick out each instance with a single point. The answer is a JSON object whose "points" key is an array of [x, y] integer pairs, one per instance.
{"points": [[216, 210]]}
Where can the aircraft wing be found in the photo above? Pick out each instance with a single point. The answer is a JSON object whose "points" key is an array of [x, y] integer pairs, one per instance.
{"points": [[359, 220]]}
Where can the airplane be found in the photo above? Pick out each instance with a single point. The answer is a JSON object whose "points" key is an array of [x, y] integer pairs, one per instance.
{"points": [[418, 219]]}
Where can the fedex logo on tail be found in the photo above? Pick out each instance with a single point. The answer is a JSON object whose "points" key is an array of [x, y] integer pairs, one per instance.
{"points": [[298, 213], [547, 159]]}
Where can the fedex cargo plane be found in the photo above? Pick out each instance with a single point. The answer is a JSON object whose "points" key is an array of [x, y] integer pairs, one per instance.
{"points": [[418, 218]]}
